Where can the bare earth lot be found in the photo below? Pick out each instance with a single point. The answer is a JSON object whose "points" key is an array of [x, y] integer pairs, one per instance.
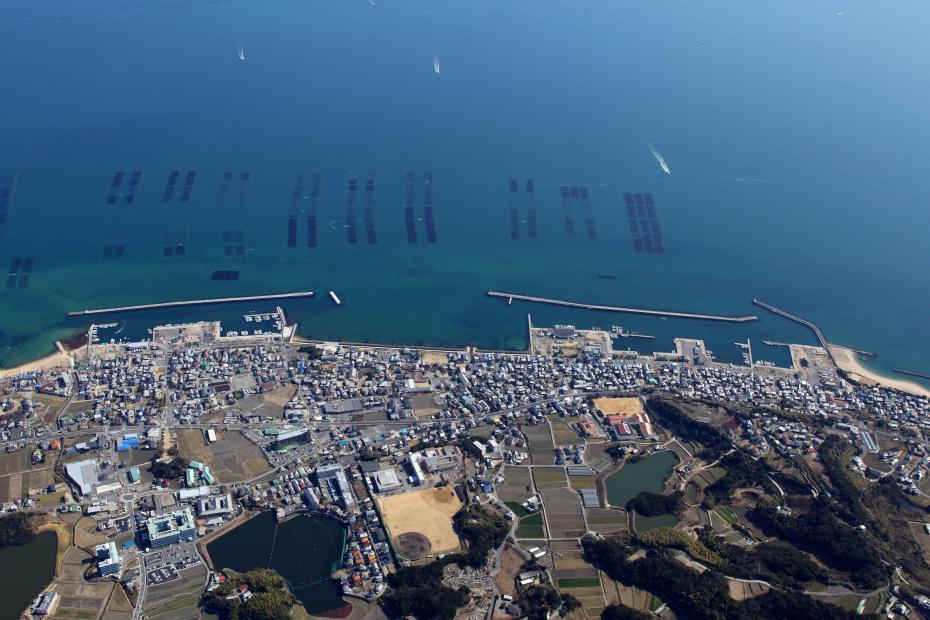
{"points": [[231, 458], [427, 512]]}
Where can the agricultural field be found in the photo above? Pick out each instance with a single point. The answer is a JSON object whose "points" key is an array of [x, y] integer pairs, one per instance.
{"points": [[634, 598], [563, 432], [231, 458], [562, 505], [80, 599], [582, 482], [118, 607], [573, 575], [517, 486], [607, 520], [539, 443], [18, 474], [532, 526]]}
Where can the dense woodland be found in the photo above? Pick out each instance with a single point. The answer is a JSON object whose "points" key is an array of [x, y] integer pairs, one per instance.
{"points": [[16, 529], [271, 600]]}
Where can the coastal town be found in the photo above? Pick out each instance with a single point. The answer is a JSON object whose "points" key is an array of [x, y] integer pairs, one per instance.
{"points": [[144, 457]]}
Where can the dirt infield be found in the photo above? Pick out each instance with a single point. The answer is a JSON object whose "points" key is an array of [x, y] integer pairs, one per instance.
{"points": [[618, 406], [427, 512], [413, 545]]}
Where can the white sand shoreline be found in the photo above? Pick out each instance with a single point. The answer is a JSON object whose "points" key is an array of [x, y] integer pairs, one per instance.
{"points": [[848, 361]]}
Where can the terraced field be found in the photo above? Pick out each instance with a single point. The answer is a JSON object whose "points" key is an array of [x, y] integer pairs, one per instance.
{"points": [[573, 575]]}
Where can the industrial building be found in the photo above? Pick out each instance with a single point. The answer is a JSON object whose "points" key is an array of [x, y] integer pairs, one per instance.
{"points": [[84, 474], [335, 479], [171, 528], [290, 438], [216, 506], [108, 559], [386, 480]]}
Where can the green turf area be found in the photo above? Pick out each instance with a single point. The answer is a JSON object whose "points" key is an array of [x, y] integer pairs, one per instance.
{"points": [[531, 527], [549, 474], [581, 482], [726, 514], [517, 509], [580, 582]]}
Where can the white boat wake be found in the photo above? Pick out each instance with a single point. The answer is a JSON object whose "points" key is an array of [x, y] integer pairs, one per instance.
{"points": [[435, 64], [241, 52], [662, 163]]}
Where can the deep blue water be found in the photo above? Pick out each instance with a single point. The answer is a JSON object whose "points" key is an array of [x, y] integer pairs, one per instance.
{"points": [[795, 134]]}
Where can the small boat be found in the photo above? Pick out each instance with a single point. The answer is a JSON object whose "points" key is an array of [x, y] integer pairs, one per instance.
{"points": [[335, 298]]}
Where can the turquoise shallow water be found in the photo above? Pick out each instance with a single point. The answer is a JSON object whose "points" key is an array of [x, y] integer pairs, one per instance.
{"points": [[795, 137]]}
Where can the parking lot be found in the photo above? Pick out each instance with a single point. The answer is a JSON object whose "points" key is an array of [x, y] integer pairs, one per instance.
{"points": [[162, 565]]}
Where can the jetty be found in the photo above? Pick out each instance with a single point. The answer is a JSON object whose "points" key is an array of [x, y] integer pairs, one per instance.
{"points": [[660, 313], [819, 334], [911, 373], [192, 302]]}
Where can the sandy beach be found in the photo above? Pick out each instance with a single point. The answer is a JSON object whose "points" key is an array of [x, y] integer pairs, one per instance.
{"points": [[849, 362]]}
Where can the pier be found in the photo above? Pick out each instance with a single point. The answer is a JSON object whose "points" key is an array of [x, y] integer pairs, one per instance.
{"points": [[661, 313], [192, 302]]}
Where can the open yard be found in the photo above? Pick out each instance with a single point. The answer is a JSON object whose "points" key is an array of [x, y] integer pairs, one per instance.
{"points": [[607, 520], [563, 433], [231, 458], [619, 406], [427, 513]]}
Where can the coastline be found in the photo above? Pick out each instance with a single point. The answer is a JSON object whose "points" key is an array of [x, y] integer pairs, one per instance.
{"points": [[62, 356], [848, 361]]}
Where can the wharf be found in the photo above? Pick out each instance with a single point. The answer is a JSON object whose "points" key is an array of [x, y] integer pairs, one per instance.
{"points": [[192, 302], [661, 313]]}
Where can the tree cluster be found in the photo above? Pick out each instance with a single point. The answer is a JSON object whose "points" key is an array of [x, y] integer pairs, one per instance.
{"points": [[776, 562], [678, 423], [482, 530], [270, 599], [16, 529], [172, 470], [842, 547], [742, 471], [650, 504], [418, 591], [700, 596]]}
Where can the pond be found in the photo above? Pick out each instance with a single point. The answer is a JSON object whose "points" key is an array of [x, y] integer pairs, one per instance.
{"points": [[34, 564], [647, 474], [304, 550]]}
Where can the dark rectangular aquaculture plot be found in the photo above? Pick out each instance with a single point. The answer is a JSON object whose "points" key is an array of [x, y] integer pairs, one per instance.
{"points": [[188, 185], [15, 264], [23, 280], [114, 251], [351, 191], [370, 233], [565, 194], [530, 203], [225, 275], [410, 223], [292, 231], [514, 224], [169, 187], [430, 225], [317, 185], [644, 225], [534, 227], [311, 230], [513, 186], [428, 189], [7, 189], [27, 264]]}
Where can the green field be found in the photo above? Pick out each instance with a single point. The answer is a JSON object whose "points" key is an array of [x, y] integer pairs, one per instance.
{"points": [[531, 527], [580, 582], [726, 514], [517, 508]]}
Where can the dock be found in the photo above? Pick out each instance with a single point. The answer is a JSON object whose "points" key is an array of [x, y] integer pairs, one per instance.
{"points": [[192, 302], [819, 334], [660, 313]]}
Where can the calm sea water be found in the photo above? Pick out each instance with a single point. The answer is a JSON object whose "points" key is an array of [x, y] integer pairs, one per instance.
{"points": [[795, 134]]}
